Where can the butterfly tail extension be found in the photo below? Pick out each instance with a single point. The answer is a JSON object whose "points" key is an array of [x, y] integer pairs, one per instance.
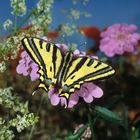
{"points": [[40, 86]]}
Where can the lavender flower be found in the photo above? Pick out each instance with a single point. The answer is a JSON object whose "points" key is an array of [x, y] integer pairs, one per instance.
{"points": [[27, 66], [119, 38], [88, 91]]}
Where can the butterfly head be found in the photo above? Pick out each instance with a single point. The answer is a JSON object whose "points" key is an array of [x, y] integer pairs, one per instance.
{"points": [[62, 91]]}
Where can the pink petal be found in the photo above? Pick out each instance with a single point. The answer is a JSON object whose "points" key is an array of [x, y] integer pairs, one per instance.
{"points": [[73, 100], [132, 28], [45, 38], [119, 50], [129, 48], [76, 52], [95, 57], [103, 34], [63, 47], [89, 86], [50, 92], [21, 69], [97, 92], [82, 92], [34, 75], [55, 99], [24, 54], [62, 101], [109, 53], [88, 98], [136, 36], [22, 61]]}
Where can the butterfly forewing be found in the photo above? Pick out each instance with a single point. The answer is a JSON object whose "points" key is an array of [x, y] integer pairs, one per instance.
{"points": [[48, 57]]}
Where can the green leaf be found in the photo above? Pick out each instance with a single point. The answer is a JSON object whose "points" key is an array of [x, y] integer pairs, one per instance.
{"points": [[134, 134], [107, 114], [77, 135]]}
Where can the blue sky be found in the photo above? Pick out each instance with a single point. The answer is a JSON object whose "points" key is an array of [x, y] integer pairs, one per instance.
{"points": [[104, 13]]}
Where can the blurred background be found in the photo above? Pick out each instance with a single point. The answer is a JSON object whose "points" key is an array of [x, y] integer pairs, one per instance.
{"points": [[114, 116], [104, 13]]}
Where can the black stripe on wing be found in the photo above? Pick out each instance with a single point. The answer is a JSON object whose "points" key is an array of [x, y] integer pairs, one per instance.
{"points": [[61, 67], [54, 59], [78, 66], [66, 59], [94, 74], [35, 51]]}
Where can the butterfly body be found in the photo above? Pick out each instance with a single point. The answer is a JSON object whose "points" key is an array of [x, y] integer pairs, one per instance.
{"points": [[63, 71]]}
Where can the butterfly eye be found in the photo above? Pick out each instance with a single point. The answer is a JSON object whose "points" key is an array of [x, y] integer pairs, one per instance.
{"points": [[65, 88], [48, 82]]}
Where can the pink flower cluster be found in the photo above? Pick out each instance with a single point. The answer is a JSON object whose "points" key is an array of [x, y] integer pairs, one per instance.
{"points": [[119, 38], [27, 66], [88, 91]]}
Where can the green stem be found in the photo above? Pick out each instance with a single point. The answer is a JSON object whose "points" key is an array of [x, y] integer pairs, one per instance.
{"points": [[22, 23], [37, 113], [0, 29], [125, 123], [15, 24], [92, 121]]}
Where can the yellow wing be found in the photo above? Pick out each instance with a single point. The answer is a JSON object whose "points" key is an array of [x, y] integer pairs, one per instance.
{"points": [[84, 69], [48, 57], [63, 70]]}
